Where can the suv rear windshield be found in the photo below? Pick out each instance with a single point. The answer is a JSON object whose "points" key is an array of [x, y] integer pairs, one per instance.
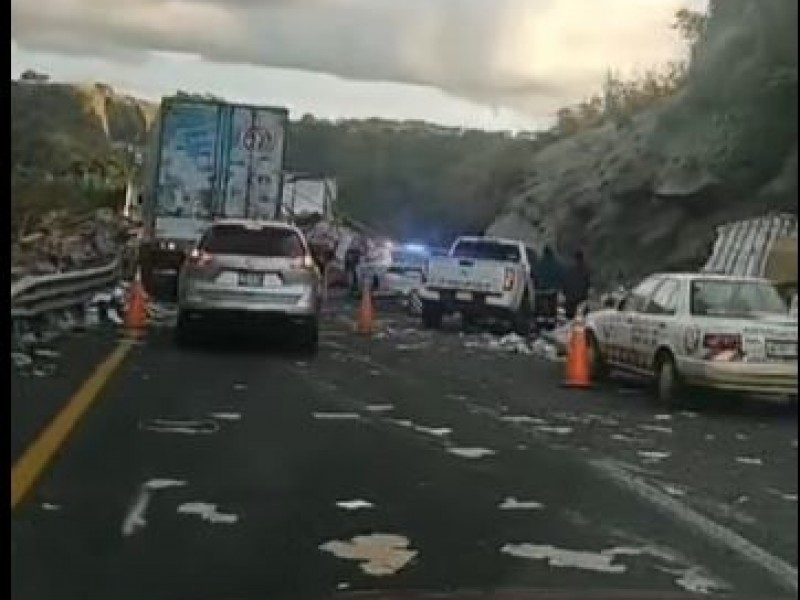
{"points": [[720, 298], [486, 250], [242, 241]]}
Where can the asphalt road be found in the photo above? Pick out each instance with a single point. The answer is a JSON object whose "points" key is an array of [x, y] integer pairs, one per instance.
{"points": [[408, 461]]}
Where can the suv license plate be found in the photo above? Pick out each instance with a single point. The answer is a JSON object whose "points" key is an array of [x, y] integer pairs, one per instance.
{"points": [[251, 279], [464, 296]]}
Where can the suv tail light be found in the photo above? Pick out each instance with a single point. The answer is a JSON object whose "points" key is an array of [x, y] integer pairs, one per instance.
{"points": [[508, 282], [200, 258], [723, 346]]}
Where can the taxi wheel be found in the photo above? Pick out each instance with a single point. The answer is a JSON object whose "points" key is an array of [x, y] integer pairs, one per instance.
{"points": [[667, 382], [597, 363]]}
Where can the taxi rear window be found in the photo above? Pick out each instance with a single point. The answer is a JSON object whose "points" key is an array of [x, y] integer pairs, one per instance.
{"points": [[723, 298]]}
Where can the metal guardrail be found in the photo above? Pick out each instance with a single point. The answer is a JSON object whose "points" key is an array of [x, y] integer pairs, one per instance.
{"points": [[33, 296]]}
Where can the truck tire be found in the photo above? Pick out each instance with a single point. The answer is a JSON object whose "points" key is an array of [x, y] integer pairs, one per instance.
{"points": [[521, 321], [431, 315]]}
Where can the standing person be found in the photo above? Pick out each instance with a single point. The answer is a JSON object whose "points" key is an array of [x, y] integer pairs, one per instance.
{"points": [[351, 260], [576, 285], [547, 282]]}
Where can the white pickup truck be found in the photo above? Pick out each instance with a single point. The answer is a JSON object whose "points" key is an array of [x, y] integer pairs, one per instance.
{"points": [[480, 278]]}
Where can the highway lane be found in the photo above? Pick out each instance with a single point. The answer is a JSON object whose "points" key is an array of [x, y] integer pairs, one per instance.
{"points": [[216, 472]]}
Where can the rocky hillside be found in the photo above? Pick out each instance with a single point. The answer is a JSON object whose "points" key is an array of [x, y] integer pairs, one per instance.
{"points": [[644, 193], [58, 128]]}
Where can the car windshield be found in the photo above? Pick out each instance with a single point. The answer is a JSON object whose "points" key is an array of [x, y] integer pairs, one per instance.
{"points": [[486, 250], [243, 241], [721, 298]]}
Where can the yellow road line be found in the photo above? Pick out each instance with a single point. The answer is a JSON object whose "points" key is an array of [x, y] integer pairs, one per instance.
{"points": [[30, 466]]}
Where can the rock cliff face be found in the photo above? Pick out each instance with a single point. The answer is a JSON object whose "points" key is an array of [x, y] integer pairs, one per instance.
{"points": [[645, 193]]}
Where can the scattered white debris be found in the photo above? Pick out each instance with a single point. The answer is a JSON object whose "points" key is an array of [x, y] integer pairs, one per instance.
{"points": [[747, 460], [511, 342], [342, 585], [239, 387], [742, 437], [688, 413], [557, 430], [411, 347], [545, 349], [134, 519], [785, 496], [301, 364], [436, 431], [741, 500], [653, 455], [375, 372], [471, 452], [710, 437], [512, 503], [207, 512], [114, 317], [46, 353], [45, 370], [379, 407], [226, 416], [523, 419], [459, 397], [21, 359], [401, 422], [674, 490], [621, 437], [336, 416], [50, 507], [662, 417], [695, 579], [379, 554], [162, 484], [557, 557], [354, 504], [656, 428]]}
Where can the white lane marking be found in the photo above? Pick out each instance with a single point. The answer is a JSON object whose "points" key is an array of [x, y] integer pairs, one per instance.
{"points": [[742, 437], [379, 407], [50, 507], [512, 503], [748, 460], [356, 504], [226, 416], [336, 416], [378, 554], [656, 428], [239, 387], [46, 353], [471, 453], [621, 437], [207, 512], [781, 571], [134, 519], [663, 417]]}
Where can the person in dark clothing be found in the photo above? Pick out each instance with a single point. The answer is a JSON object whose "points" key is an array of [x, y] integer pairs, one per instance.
{"points": [[576, 285], [547, 282], [351, 259]]}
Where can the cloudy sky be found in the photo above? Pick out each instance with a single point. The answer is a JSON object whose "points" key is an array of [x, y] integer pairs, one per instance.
{"points": [[494, 64]]}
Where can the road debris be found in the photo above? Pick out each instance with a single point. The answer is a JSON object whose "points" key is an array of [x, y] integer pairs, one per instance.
{"points": [[336, 416], [747, 460], [512, 503], [471, 453], [378, 554], [205, 426], [207, 512]]}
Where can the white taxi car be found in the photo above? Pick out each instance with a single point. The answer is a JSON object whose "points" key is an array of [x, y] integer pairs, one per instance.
{"points": [[699, 330]]}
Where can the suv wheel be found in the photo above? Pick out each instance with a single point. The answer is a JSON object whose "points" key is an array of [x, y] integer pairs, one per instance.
{"points": [[521, 320]]}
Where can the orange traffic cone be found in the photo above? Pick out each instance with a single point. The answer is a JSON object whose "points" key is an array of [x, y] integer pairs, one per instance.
{"points": [[366, 315], [578, 374], [136, 315]]}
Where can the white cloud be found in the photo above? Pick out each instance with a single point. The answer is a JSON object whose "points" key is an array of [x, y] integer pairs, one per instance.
{"points": [[531, 55]]}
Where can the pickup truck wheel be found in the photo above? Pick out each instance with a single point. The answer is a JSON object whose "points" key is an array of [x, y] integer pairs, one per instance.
{"points": [[521, 321], [431, 315]]}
